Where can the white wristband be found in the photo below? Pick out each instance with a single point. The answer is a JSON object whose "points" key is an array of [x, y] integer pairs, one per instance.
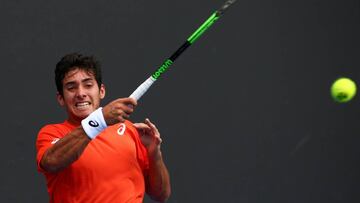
{"points": [[94, 123]]}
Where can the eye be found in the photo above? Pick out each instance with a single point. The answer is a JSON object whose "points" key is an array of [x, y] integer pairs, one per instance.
{"points": [[89, 84], [70, 88]]}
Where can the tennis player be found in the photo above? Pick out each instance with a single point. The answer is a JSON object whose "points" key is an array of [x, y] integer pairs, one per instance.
{"points": [[97, 154]]}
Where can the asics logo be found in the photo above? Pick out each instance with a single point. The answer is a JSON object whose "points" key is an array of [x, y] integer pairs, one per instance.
{"points": [[93, 124], [121, 129]]}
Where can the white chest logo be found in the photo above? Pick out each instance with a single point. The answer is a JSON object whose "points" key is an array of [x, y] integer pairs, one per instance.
{"points": [[55, 140], [121, 129]]}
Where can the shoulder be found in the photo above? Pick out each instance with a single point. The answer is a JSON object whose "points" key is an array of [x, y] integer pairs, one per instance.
{"points": [[131, 127], [52, 127], [56, 130]]}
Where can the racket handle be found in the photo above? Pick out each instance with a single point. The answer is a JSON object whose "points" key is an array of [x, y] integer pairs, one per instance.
{"points": [[140, 91]]}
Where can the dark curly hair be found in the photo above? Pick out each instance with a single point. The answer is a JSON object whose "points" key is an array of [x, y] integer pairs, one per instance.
{"points": [[76, 61]]}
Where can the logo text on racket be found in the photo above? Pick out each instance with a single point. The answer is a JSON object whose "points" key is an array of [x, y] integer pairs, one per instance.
{"points": [[162, 69]]}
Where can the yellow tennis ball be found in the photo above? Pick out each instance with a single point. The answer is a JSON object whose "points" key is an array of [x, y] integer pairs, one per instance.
{"points": [[343, 90]]}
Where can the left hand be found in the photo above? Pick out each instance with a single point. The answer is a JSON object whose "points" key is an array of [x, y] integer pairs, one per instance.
{"points": [[150, 137]]}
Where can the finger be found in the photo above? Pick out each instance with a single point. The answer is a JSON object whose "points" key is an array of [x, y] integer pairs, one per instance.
{"points": [[125, 115], [141, 126], [122, 116], [149, 123], [128, 101], [120, 119], [133, 102], [121, 108], [128, 109]]}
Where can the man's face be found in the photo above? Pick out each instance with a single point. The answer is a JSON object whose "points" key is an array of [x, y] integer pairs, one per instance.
{"points": [[81, 94]]}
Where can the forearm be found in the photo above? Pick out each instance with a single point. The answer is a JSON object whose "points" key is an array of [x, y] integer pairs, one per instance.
{"points": [[65, 151], [158, 181]]}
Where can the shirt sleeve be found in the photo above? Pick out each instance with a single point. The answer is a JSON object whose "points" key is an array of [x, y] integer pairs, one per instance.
{"points": [[47, 136], [143, 157]]}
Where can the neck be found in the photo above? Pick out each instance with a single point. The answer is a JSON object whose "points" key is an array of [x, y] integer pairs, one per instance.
{"points": [[74, 121]]}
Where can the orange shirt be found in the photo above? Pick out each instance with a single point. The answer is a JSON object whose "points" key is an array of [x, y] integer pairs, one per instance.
{"points": [[111, 168]]}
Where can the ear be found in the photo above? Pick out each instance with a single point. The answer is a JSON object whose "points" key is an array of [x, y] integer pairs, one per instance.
{"points": [[60, 99], [102, 91]]}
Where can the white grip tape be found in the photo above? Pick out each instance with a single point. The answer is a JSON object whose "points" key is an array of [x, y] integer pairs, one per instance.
{"points": [[94, 123], [142, 88]]}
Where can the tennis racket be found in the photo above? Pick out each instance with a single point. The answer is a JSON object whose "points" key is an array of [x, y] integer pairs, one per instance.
{"points": [[140, 91]]}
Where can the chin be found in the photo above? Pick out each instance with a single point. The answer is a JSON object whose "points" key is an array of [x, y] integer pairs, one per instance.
{"points": [[83, 114]]}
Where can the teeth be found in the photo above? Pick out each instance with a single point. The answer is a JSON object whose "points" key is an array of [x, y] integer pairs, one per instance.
{"points": [[83, 104]]}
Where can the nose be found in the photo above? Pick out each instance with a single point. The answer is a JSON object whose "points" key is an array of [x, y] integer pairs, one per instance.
{"points": [[81, 92]]}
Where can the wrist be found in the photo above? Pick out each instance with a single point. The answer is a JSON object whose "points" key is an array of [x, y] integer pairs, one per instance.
{"points": [[155, 154], [94, 123]]}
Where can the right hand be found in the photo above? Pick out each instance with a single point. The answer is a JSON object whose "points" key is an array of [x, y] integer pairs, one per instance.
{"points": [[118, 110]]}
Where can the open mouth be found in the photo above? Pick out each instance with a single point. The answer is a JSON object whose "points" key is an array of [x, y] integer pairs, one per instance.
{"points": [[82, 105]]}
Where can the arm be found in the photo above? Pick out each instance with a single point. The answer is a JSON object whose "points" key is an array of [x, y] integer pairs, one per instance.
{"points": [[65, 151], [71, 146], [157, 179]]}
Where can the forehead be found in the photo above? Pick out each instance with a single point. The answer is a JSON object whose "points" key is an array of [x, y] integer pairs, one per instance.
{"points": [[78, 75]]}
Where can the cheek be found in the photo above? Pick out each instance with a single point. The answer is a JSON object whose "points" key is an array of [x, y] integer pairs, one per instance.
{"points": [[67, 98]]}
